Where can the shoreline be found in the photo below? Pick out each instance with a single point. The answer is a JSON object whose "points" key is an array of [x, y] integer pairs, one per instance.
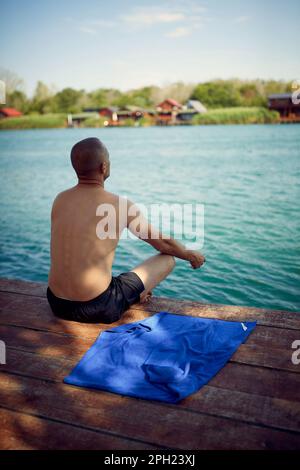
{"points": [[152, 126], [218, 116]]}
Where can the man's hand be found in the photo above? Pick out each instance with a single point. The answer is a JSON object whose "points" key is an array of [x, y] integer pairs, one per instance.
{"points": [[195, 258]]}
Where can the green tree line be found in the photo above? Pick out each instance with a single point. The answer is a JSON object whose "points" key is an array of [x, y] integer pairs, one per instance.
{"points": [[213, 94]]}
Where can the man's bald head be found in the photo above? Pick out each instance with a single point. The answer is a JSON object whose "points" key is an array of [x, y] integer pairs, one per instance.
{"points": [[90, 158]]}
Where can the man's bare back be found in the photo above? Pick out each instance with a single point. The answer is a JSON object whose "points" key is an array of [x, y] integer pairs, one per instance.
{"points": [[81, 263]]}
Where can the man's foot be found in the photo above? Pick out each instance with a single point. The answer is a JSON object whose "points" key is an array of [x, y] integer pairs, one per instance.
{"points": [[145, 298]]}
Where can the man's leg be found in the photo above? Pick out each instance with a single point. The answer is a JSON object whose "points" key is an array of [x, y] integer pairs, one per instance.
{"points": [[153, 271]]}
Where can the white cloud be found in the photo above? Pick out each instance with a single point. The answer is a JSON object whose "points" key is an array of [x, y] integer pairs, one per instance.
{"points": [[179, 32], [104, 23], [241, 19], [87, 30], [91, 26], [152, 16], [186, 15]]}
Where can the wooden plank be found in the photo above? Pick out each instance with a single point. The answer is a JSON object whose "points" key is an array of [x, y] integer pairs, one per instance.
{"points": [[257, 380], [247, 407], [277, 318], [250, 379], [261, 349], [127, 418], [273, 358], [20, 431], [252, 408], [18, 286], [35, 313]]}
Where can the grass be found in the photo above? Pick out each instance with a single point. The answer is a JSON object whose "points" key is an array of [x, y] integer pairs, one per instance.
{"points": [[146, 121], [34, 121], [129, 122], [239, 115], [94, 122]]}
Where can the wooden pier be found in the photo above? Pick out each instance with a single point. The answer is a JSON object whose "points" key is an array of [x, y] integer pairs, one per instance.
{"points": [[252, 403]]}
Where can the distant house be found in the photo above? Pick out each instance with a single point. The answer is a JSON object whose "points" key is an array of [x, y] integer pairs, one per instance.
{"points": [[196, 106], [167, 111], [109, 112], [130, 112], [106, 111], [189, 110], [9, 112], [115, 115], [282, 102], [168, 105], [137, 112]]}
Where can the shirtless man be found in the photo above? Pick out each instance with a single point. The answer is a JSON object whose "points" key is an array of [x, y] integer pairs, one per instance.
{"points": [[81, 286]]}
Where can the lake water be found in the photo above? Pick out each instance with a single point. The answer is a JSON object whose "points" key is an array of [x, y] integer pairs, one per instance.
{"points": [[247, 177]]}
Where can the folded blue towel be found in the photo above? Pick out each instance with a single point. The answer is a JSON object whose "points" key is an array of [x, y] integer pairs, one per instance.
{"points": [[164, 357]]}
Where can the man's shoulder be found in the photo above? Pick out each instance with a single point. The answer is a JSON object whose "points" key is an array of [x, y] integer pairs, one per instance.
{"points": [[117, 198], [62, 195], [61, 198]]}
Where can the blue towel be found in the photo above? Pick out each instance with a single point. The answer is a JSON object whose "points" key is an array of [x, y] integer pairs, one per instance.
{"points": [[164, 357]]}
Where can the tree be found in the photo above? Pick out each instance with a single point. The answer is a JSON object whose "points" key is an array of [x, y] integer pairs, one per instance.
{"points": [[18, 100], [217, 94], [12, 81], [123, 100], [42, 101], [98, 98], [142, 97], [67, 100], [274, 86], [250, 95], [14, 90]]}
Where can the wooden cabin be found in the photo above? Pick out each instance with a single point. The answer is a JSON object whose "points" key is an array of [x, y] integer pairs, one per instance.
{"points": [[9, 112], [130, 112], [283, 103], [168, 105], [110, 112], [167, 111], [116, 115], [133, 112]]}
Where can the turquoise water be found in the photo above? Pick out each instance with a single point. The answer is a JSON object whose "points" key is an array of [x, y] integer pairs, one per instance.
{"points": [[247, 177]]}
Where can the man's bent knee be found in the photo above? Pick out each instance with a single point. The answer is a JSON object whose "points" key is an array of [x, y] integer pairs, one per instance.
{"points": [[170, 262]]}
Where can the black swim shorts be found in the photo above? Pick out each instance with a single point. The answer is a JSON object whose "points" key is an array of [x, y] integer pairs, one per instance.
{"points": [[123, 291]]}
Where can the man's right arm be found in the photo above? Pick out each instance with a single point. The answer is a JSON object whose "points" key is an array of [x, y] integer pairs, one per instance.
{"points": [[170, 246], [141, 228]]}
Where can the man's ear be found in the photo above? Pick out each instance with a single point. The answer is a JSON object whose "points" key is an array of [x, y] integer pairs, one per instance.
{"points": [[103, 167]]}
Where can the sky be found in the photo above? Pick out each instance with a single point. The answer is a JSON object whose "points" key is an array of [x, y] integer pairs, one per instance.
{"points": [[127, 43]]}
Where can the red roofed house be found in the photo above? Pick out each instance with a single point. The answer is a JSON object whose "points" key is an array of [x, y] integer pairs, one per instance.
{"points": [[167, 111], [168, 105], [9, 112]]}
